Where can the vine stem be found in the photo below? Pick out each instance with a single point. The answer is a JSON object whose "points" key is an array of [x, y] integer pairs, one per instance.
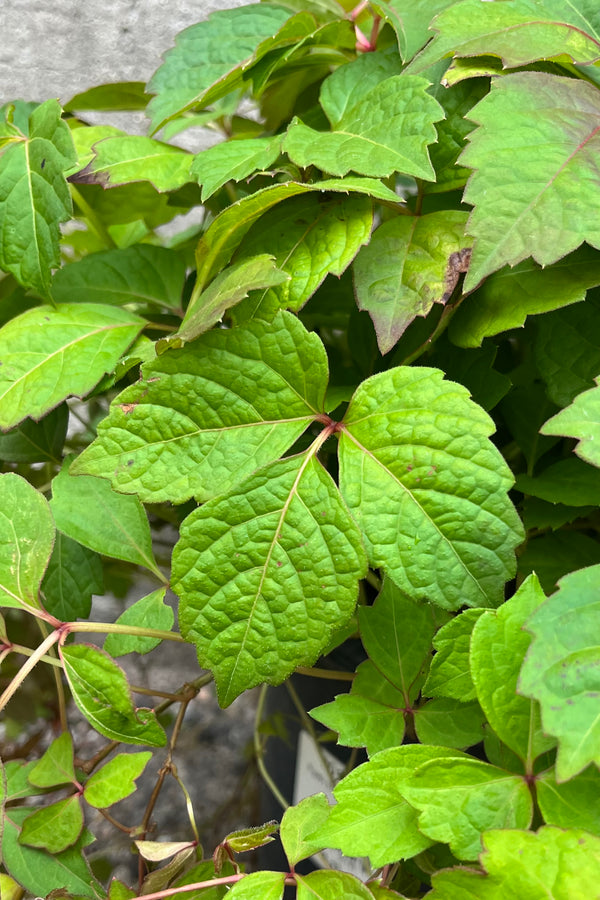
{"points": [[27, 667], [115, 628], [328, 674]]}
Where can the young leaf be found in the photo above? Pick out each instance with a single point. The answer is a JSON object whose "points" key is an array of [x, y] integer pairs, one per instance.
{"points": [[410, 484], [560, 668], [101, 693], [36, 441], [34, 197], [142, 274], [56, 765], [245, 839], [331, 885], [298, 822], [450, 672], [73, 575], [205, 54], [115, 780], [233, 161], [49, 354], [537, 208], [150, 612], [119, 160], [310, 237], [572, 804], [54, 827], [580, 420], [265, 573], [195, 424], [410, 263], [89, 511], [372, 818], [26, 539], [566, 350], [386, 131], [449, 723], [498, 647], [259, 886], [460, 798]]}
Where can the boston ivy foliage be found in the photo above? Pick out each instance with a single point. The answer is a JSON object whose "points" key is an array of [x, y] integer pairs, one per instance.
{"points": [[364, 390]]}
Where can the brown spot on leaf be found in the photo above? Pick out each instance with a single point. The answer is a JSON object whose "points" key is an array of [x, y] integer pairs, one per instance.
{"points": [[128, 407], [458, 264], [88, 176]]}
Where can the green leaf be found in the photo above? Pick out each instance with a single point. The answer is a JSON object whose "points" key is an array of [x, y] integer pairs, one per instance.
{"points": [[449, 723], [473, 368], [49, 354], [220, 240], [101, 693], [119, 891], [348, 84], [87, 510], [411, 22], [560, 670], [552, 556], [116, 96], [460, 798], [17, 780], [55, 767], [372, 818], [298, 822], [528, 204], [26, 539], [498, 647], [573, 804], [569, 481], [410, 263], [386, 131], [580, 420], [115, 780], [543, 516], [450, 672], [73, 575], [226, 290], [522, 865], [233, 161], [310, 237], [195, 424], [265, 573], [566, 350], [524, 411], [149, 612], [331, 885], [125, 158], [259, 886], [507, 297], [437, 535], [54, 827], [142, 273], [205, 54], [36, 441], [34, 197]]}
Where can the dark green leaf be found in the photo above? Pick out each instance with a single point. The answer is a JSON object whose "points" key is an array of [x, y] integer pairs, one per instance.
{"points": [[73, 575], [449, 723], [580, 420], [567, 349], [570, 481], [573, 804], [36, 441], [551, 556]]}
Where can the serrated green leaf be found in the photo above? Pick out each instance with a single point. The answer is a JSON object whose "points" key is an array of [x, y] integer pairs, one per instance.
{"points": [[449, 723], [519, 32], [572, 804], [298, 822], [265, 573], [410, 263], [348, 84], [570, 481], [142, 274], [410, 22], [115, 780], [450, 672], [101, 693], [119, 891], [209, 427], [386, 131], [55, 767], [119, 524], [507, 297], [119, 160], [560, 670], [566, 350], [259, 886], [245, 839], [54, 827], [310, 237], [36, 441], [458, 799], [529, 204], [84, 139], [115, 96], [580, 420], [521, 865], [34, 197], [372, 817], [331, 885], [552, 556], [49, 354], [26, 540], [434, 510], [149, 612], [205, 54], [233, 161], [73, 575], [498, 647]]}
